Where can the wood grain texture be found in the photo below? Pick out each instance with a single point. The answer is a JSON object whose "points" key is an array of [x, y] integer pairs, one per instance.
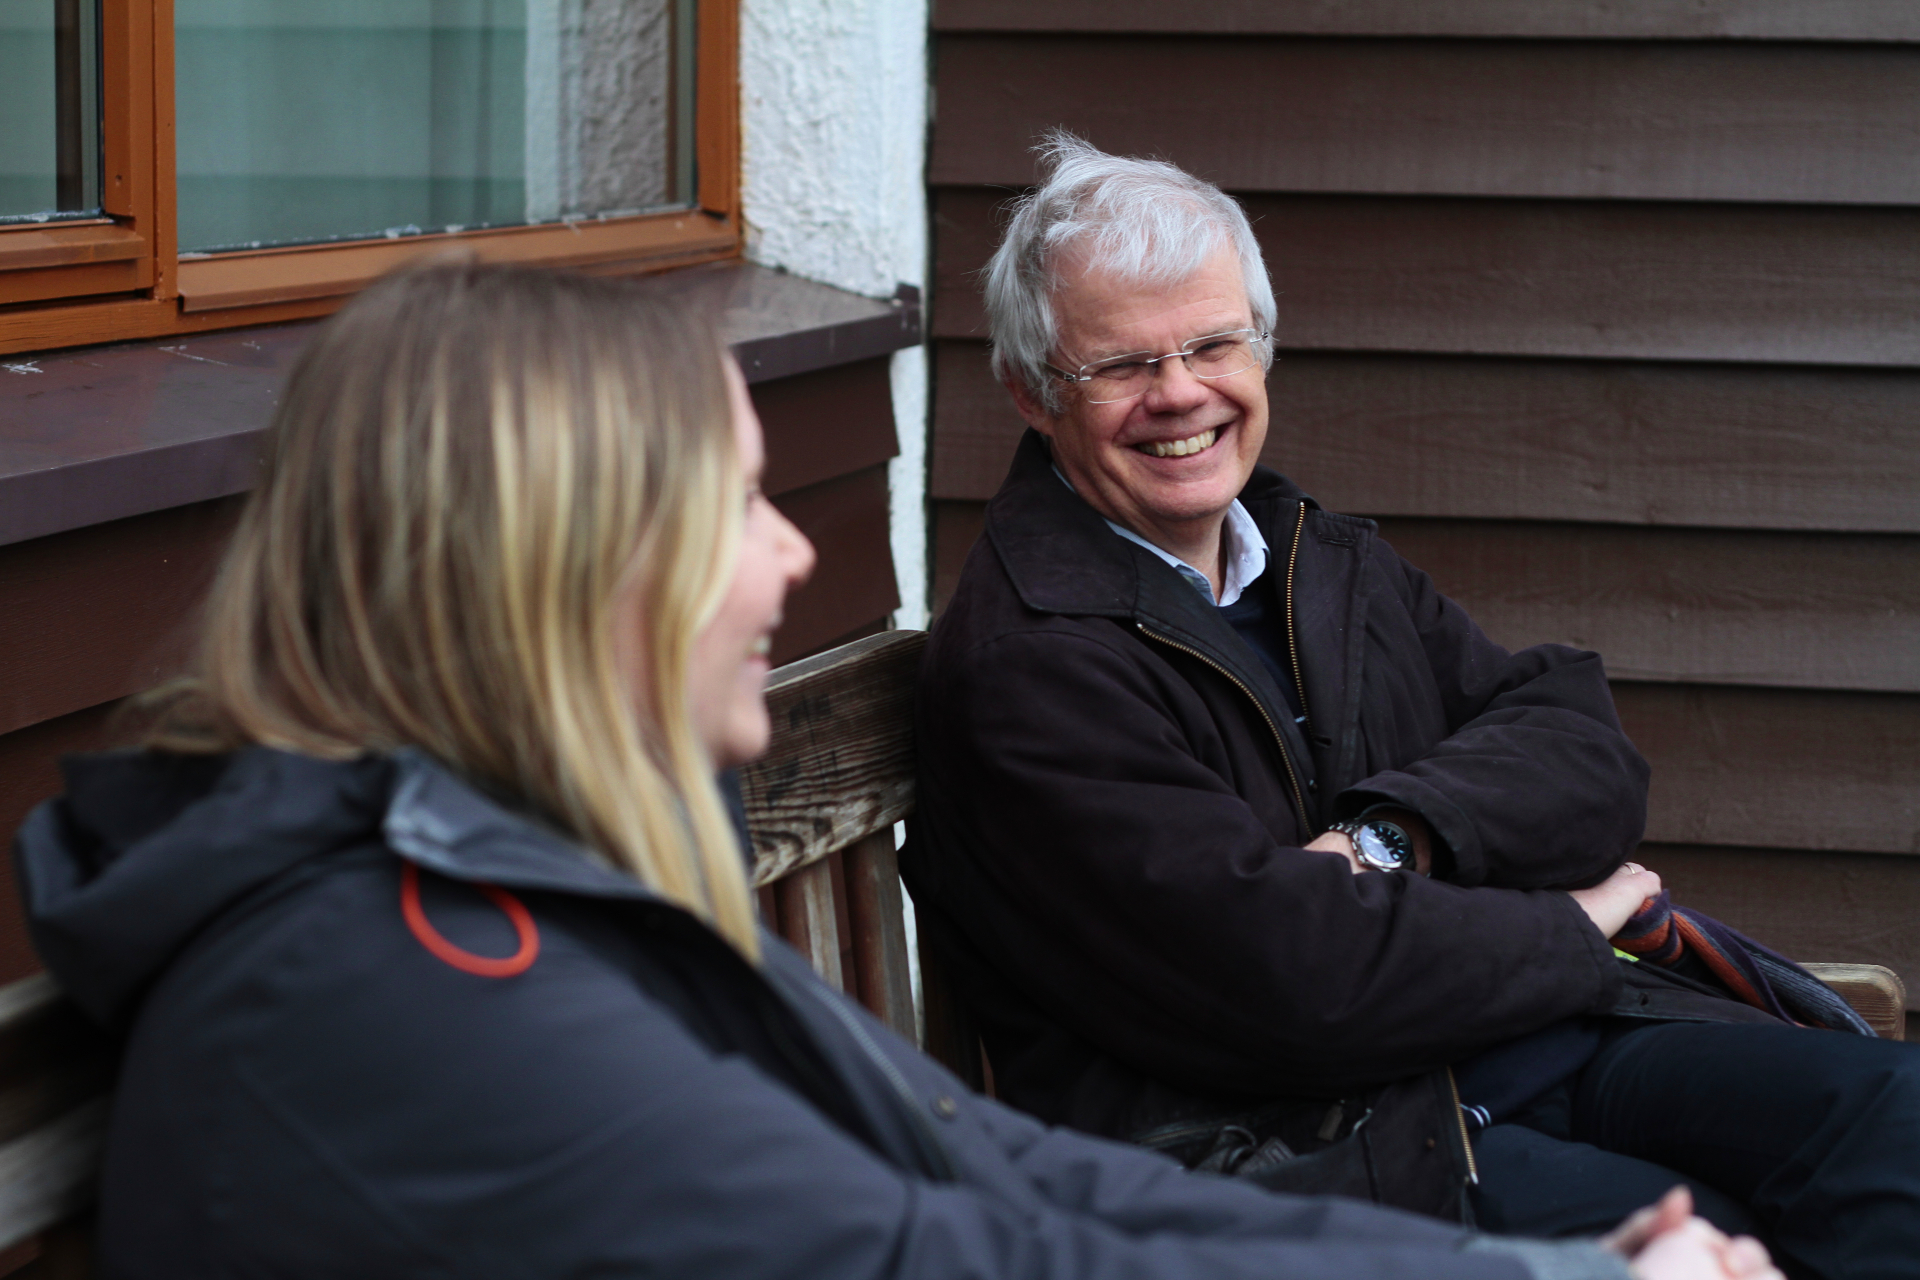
{"points": [[52, 1057], [29, 247], [825, 424], [50, 1174], [846, 518], [1778, 768], [808, 919], [1636, 443], [233, 282], [1813, 906], [1865, 20], [1874, 991], [1819, 611], [956, 527], [105, 611], [1661, 120], [882, 973], [840, 765], [55, 1070], [1612, 280]]}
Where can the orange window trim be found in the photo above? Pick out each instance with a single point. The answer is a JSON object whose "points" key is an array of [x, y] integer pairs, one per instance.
{"points": [[120, 278]]}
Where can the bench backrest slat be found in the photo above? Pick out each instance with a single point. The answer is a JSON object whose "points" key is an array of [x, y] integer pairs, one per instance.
{"points": [[840, 766]]}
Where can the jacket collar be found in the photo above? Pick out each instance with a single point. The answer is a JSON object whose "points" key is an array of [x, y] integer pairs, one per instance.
{"points": [[1062, 558], [442, 822]]}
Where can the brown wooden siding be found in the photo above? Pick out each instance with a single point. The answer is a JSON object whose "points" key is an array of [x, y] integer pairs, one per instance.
{"points": [[91, 616], [1617, 333], [1876, 20]]}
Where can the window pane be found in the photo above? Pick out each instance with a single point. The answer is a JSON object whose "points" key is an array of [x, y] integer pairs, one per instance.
{"points": [[50, 106], [310, 120]]}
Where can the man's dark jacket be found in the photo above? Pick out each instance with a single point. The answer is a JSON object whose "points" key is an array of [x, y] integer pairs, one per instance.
{"points": [[308, 1091], [1108, 848]]}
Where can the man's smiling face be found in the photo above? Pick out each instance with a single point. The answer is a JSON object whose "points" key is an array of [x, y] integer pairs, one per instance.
{"points": [[1111, 451]]}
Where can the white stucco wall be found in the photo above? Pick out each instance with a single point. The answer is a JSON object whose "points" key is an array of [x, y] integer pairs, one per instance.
{"points": [[834, 123]]}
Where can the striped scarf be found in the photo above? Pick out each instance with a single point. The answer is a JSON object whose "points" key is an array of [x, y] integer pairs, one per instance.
{"points": [[1663, 934]]}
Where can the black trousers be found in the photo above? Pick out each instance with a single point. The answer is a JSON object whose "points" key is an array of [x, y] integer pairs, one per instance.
{"points": [[1808, 1139]]}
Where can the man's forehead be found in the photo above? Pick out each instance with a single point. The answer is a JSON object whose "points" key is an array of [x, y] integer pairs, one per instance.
{"points": [[1102, 313]]}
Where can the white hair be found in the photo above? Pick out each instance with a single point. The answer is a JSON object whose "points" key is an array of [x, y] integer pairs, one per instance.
{"points": [[1146, 221]]}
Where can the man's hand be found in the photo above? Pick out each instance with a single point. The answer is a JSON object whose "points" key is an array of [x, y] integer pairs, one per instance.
{"points": [[1336, 842], [1666, 1242], [1408, 821], [1612, 902]]}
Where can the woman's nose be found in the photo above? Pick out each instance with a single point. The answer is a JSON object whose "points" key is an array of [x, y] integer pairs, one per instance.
{"points": [[797, 553]]}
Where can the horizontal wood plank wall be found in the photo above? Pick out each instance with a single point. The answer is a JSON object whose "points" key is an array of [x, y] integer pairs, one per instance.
{"points": [[1608, 311], [91, 616], [1878, 20]]}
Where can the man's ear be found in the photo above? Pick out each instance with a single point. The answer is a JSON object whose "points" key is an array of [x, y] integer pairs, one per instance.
{"points": [[1030, 409]]}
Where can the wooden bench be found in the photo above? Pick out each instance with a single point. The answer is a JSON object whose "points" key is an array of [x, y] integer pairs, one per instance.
{"points": [[821, 805]]}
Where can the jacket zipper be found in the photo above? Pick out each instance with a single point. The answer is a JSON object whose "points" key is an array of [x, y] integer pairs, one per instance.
{"points": [[1460, 1118], [936, 1149], [1293, 645], [1293, 780]]}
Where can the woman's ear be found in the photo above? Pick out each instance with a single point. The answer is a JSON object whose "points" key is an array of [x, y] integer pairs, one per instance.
{"points": [[1030, 408]]}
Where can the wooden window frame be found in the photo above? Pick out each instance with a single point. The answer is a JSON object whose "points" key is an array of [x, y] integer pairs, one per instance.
{"points": [[120, 277]]}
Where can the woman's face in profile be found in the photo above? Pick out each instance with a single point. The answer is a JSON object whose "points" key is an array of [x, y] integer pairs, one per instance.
{"points": [[726, 680]]}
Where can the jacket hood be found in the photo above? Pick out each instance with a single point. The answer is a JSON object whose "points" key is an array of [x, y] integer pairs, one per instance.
{"points": [[145, 849]]}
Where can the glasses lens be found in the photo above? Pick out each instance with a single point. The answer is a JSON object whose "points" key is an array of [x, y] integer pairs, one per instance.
{"points": [[1221, 355], [1119, 379]]}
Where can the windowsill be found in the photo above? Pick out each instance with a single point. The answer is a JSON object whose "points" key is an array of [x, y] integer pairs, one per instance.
{"points": [[93, 434]]}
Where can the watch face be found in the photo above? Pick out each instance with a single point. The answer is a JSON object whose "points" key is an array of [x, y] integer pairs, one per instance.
{"points": [[1378, 853]]}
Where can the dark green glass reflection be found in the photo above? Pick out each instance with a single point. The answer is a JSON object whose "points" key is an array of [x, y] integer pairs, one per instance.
{"points": [[301, 120], [50, 106]]}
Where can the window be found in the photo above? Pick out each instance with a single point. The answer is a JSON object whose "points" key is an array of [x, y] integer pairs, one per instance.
{"points": [[187, 164]]}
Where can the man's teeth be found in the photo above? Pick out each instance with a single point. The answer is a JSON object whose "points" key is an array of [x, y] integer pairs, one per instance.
{"points": [[1181, 448]]}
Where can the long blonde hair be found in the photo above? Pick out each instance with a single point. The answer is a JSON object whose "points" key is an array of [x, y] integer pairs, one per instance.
{"points": [[474, 469]]}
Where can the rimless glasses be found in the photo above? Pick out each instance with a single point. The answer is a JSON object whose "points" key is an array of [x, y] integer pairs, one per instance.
{"points": [[1217, 355]]}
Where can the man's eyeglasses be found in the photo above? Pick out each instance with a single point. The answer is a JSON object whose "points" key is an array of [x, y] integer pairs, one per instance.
{"points": [[1217, 355]]}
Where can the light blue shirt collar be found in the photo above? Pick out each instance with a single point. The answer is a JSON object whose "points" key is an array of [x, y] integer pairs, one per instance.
{"points": [[1246, 553]]}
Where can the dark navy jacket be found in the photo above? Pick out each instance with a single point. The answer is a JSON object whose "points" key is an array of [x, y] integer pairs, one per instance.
{"points": [[308, 1091]]}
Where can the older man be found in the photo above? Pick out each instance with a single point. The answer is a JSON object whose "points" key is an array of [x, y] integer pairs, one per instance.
{"points": [[1246, 843]]}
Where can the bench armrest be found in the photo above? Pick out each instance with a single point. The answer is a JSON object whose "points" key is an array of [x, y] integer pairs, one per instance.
{"points": [[1875, 992]]}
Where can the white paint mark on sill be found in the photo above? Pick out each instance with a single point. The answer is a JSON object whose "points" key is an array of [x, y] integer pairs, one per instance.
{"points": [[26, 366], [185, 354]]}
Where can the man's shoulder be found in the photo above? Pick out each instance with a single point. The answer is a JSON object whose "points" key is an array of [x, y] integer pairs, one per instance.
{"points": [[985, 618]]}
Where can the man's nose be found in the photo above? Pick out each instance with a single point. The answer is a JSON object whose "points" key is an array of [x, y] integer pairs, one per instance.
{"points": [[1174, 387]]}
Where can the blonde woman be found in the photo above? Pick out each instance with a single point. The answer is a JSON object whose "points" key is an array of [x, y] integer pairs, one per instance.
{"points": [[427, 928]]}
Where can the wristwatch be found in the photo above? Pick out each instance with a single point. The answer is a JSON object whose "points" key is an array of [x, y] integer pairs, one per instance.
{"points": [[1378, 844]]}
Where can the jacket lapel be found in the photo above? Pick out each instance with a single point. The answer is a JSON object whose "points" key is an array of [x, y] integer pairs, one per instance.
{"points": [[1062, 558], [1329, 618]]}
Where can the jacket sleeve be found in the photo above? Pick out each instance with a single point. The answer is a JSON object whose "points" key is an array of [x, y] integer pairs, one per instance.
{"points": [[563, 1124], [1535, 786], [1105, 855], [1140, 1193]]}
